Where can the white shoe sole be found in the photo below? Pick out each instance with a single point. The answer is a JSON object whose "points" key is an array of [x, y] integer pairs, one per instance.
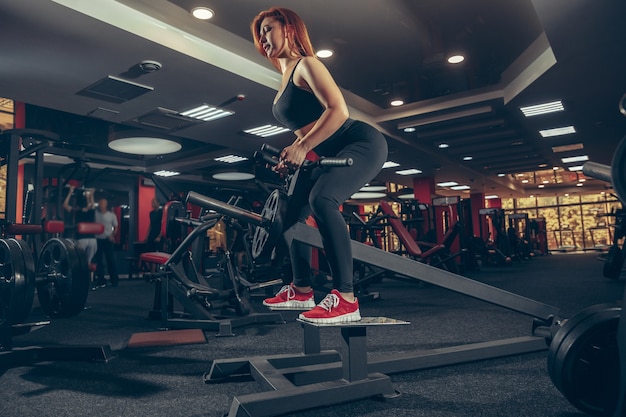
{"points": [[292, 305], [346, 318]]}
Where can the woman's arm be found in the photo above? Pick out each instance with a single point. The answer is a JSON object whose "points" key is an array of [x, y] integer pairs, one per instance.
{"points": [[312, 74], [66, 202]]}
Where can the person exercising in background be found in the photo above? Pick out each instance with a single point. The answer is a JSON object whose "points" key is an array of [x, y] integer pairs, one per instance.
{"points": [[153, 238], [310, 103], [83, 212], [105, 244]]}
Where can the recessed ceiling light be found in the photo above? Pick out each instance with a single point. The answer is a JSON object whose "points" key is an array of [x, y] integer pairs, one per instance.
{"points": [[501, 174], [324, 53], [540, 186], [558, 131], [367, 195], [544, 108], [576, 168], [456, 59], [490, 197], [409, 171], [460, 187], [266, 130], [396, 102], [390, 164], [443, 146], [233, 176], [409, 129], [579, 158], [144, 145], [524, 181], [202, 13], [468, 158], [580, 184], [406, 196], [368, 187]]}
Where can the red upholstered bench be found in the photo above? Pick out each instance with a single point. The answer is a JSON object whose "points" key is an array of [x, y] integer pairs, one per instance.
{"points": [[54, 227], [154, 257]]}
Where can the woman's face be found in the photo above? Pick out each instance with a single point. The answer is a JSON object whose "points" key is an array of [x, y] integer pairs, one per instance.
{"points": [[273, 38]]}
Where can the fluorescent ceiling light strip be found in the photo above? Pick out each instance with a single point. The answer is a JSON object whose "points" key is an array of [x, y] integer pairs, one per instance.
{"points": [[544, 108], [256, 130], [196, 110], [558, 131], [576, 168], [565, 148], [460, 187], [447, 184], [571, 159], [390, 164], [231, 159], [266, 130], [409, 171], [166, 173], [216, 115]]}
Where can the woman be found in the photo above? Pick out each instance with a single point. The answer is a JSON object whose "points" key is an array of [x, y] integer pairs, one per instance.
{"points": [[310, 103]]}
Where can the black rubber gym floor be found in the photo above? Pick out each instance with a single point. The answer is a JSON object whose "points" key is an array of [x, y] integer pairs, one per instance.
{"points": [[167, 380]]}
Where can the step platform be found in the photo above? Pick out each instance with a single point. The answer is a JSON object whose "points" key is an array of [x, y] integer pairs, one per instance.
{"points": [[311, 379]]}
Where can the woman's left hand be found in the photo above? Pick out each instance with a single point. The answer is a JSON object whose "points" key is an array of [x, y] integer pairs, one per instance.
{"points": [[291, 157]]}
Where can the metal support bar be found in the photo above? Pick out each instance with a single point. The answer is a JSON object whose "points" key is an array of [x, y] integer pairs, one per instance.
{"points": [[10, 215], [224, 208], [423, 272]]}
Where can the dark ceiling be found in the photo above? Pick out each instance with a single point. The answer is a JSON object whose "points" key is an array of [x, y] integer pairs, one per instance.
{"points": [[519, 53]]}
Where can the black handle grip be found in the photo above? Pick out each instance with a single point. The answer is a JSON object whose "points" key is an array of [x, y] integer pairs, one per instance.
{"points": [[263, 157], [270, 149], [335, 162]]}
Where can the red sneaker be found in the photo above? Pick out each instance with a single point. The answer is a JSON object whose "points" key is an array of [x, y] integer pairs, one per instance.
{"points": [[289, 298], [333, 309]]}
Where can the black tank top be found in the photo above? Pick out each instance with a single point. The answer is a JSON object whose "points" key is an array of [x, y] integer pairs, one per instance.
{"points": [[296, 107]]}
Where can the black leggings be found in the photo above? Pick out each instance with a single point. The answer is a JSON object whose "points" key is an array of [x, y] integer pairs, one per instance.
{"points": [[323, 193]]}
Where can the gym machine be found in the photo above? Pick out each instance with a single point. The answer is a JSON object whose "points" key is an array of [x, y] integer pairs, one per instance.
{"points": [[219, 302], [582, 351]]}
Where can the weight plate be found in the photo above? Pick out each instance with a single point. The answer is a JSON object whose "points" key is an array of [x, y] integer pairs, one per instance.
{"points": [[63, 290], [22, 311], [583, 360], [268, 234], [12, 283], [613, 263]]}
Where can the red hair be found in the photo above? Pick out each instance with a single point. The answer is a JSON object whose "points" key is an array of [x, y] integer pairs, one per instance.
{"points": [[296, 30]]}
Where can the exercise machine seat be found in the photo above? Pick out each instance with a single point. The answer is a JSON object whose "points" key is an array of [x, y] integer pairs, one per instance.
{"points": [[154, 257]]}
